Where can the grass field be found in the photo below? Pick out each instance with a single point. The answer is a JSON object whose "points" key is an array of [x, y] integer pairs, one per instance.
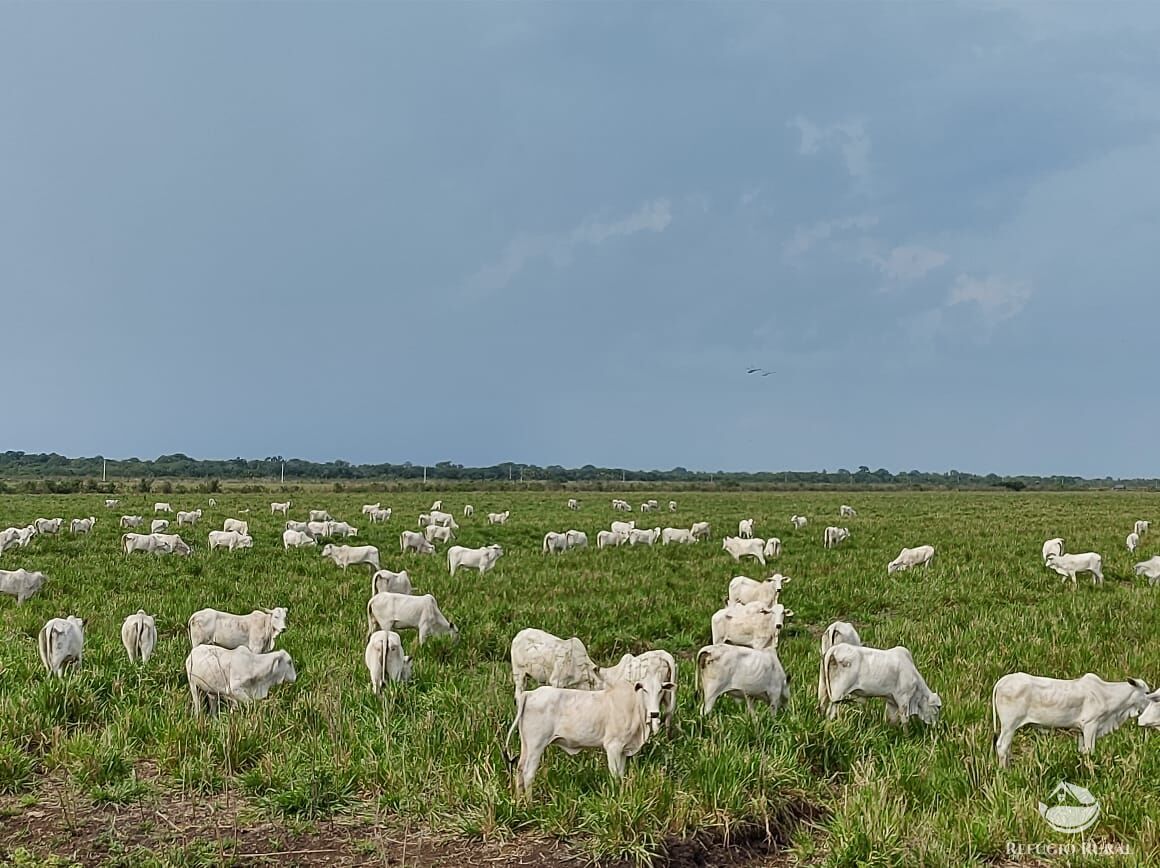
{"points": [[854, 790]]}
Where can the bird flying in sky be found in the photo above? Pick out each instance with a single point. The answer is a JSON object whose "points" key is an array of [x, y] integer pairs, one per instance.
{"points": [[761, 371]]}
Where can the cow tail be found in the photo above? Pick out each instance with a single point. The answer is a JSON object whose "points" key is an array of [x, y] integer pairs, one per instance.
{"points": [[138, 628], [701, 658], [384, 654], [371, 623], [523, 700], [827, 694], [124, 539], [994, 716], [42, 643]]}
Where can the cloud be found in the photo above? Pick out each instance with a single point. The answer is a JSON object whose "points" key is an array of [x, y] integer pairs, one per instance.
{"points": [[654, 216], [847, 138], [805, 237], [907, 263], [997, 298]]}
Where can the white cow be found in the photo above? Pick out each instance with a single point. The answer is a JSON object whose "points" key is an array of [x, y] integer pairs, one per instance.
{"points": [[1053, 546], [345, 556], [647, 507], [577, 539], [384, 581], [110, 503], [24, 535], [482, 559], [672, 506], [61, 643], [397, 611], [798, 521], [1141, 527], [753, 624], [153, 543], [139, 636], [296, 539], [919, 556], [379, 515], [213, 502], [276, 507], [368, 508], [1150, 569], [173, 542], [1133, 541], [613, 538], [415, 542], [238, 675], [617, 719], [859, 671], [838, 633], [1088, 704], [48, 525], [834, 535], [573, 503], [133, 521], [745, 528], [437, 533], [229, 539], [257, 630], [468, 510], [772, 547], [554, 542], [300, 526], [21, 583], [159, 525], [162, 507], [1068, 565], [845, 511], [657, 663], [624, 527], [548, 659], [189, 518], [498, 517], [82, 525], [676, 535], [743, 673], [743, 589], [385, 659], [242, 527], [319, 528], [640, 537], [444, 519], [436, 506], [424, 520], [320, 515], [748, 548], [700, 529], [342, 529]]}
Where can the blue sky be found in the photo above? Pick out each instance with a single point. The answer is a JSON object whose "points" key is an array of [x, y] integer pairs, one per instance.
{"points": [[560, 232]]}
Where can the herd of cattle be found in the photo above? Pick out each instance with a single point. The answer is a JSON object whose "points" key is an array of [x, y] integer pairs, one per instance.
{"points": [[576, 703]]}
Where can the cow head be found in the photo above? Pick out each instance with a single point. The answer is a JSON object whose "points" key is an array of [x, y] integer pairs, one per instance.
{"points": [[927, 707], [328, 550], [278, 619], [246, 542], [649, 692], [282, 671], [405, 671]]}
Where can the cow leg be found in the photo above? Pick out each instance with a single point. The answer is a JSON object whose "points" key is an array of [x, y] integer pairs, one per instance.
{"points": [[616, 759], [1003, 746], [1088, 739], [710, 701], [196, 699], [832, 710], [530, 756], [671, 707]]}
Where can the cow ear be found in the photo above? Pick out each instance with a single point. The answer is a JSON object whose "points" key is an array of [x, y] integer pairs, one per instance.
{"points": [[788, 613], [638, 686], [668, 685], [407, 659], [1136, 682]]}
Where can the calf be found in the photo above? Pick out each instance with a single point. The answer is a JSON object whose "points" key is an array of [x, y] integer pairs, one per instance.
{"points": [[838, 633], [907, 558], [82, 525], [858, 671], [257, 630], [61, 643], [237, 675], [482, 559], [755, 625], [749, 548], [415, 542], [385, 659], [1069, 565], [422, 613], [743, 673], [345, 556], [139, 636]]}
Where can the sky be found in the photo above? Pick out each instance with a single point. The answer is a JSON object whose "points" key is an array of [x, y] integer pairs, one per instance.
{"points": [[560, 233]]}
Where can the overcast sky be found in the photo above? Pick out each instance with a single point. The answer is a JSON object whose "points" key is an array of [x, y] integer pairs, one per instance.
{"points": [[560, 232]]}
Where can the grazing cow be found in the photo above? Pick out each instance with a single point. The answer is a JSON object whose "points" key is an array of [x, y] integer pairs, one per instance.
{"points": [[621, 505], [110, 503], [577, 539], [753, 624], [300, 526], [657, 663], [133, 521], [1150, 716], [415, 542], [613, 538], [676, 535], [468, 510], [700, 529], [24, 535], [296, 539], [482, 559], [798, 521], [384, 581], [154, 543], [548, 659], [1068, 565], [772, 547], [845, 511], [573, 503], [498, 517], [1150, 568], [834, 535], [624, 527], [189, 518], [139, 636], [640, 537], [444, 519], [319, 528], [436, 506], [743, 589], [743, 673], [368, 508], [672, 506], [1052, 547], [437, 533], [61, 643], [21, 583], [159, 525], [346, 556], [9, 537], [1088, 704], [385, 659], [213, 502], [618, 719], [1141, 527], [162, 507], [424, 520], [257, 630], [838, 633], [745, 528], [397, 611], [340, 528], [238, 675], [276, 507], [320, 515], [749, 548], [174, 543], [919, 556], [1133, 541], [82, 525], [856, 670], [48, 525], [242, 527], [229, 539], [554, 542], [379, 515], [647, 507]]}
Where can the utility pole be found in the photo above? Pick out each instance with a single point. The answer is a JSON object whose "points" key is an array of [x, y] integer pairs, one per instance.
{"points": [[283, 472], [424, 474], [104, 467], [509, 471]]}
